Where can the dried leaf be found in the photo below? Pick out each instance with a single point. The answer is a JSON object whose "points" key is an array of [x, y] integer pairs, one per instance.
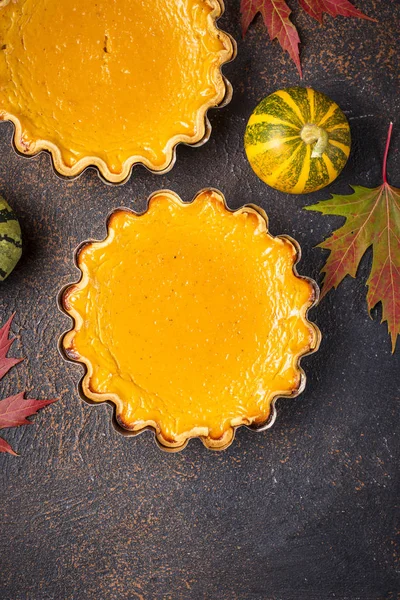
{"points": [[5, 447], [5, 344], [313, 8], [276, 18], [334, 8], [15, 409], [372, 219]]}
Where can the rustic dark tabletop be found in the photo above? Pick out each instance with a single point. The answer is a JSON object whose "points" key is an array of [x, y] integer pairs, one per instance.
{"points": [[304, 511]]}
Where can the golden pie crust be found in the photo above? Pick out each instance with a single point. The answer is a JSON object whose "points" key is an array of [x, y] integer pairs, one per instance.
{"points": [[111, 84], [190, 318]]}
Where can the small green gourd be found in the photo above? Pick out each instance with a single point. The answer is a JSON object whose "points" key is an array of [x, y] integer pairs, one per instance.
{"points": [[297, 140], [10, 240]]}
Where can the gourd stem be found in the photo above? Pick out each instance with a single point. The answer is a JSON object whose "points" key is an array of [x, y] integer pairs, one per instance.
{"points": [[312, 134], [384, 173]]}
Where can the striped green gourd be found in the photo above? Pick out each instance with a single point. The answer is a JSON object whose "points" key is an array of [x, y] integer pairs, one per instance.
{"points": [[297, 140], [10, 240]]}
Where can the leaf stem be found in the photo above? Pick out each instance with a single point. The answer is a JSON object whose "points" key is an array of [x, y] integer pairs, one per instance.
{"points": [[385, 156]]}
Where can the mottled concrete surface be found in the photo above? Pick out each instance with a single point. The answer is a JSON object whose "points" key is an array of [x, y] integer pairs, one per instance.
{"points": [[305, 511]]}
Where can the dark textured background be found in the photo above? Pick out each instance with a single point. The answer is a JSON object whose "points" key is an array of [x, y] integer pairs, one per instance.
{"points": [[305, 511]]}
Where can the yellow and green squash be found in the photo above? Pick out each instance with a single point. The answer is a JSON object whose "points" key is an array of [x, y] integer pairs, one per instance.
{"points": [[10, 240], [297, 140]]}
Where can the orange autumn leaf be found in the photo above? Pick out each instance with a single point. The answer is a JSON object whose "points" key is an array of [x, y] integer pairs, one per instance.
{"points": [[15, 409], [372, 219], [276, 16]]}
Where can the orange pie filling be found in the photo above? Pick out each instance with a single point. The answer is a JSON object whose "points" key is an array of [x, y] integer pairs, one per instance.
{"points": [[190, 318], [110, 83]]}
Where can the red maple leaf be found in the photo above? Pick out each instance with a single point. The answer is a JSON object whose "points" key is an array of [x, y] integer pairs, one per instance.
{"points": [[276, 18], [276, 15], [316, 9], [5, 344], [15, 409], [372, 219]]}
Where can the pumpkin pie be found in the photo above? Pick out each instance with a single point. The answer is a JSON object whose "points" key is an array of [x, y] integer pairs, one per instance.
{"points": [[110, 84], [190, 318]]}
